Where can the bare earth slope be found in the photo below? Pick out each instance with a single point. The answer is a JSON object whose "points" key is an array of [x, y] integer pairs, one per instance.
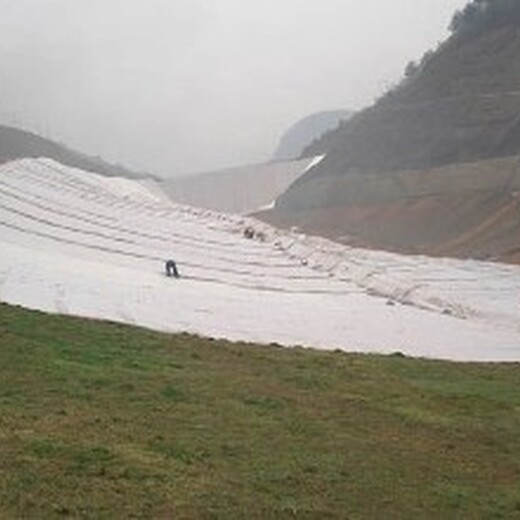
{"points": [[464, 210]]}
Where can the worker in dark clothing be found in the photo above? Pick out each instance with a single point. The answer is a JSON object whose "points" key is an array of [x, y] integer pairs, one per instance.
{"points": [[171, 269]]}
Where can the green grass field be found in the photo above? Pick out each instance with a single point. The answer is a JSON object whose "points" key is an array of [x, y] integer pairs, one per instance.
{"points": [[99, 420]]}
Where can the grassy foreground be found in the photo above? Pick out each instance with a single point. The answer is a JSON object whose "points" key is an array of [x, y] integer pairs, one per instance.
{"points": [[99, 420]]}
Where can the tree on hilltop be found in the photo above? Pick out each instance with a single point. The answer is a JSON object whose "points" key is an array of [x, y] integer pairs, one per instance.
{"points": [[482, 14]]}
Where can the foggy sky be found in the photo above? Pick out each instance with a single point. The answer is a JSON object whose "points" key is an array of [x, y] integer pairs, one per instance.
{"points": [[179, 86]]}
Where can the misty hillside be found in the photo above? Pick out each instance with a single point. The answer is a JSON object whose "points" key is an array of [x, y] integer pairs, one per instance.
{"points": [[459, 105], [304, 132], [19, 144]]}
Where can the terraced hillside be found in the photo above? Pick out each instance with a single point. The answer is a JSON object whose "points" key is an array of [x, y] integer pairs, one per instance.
{"points": [[77, 243], [458, 107], [465, 210]]}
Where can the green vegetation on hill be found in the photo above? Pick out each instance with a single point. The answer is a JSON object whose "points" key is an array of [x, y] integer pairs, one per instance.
{"points": [[482, 14], [100, 420], [459, 103]]}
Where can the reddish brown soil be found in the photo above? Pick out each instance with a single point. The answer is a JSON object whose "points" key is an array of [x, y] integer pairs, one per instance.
{"points": [[480, 225]]}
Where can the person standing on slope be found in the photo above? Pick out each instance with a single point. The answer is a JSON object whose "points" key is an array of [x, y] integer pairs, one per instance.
{"points": [[171, 269]]}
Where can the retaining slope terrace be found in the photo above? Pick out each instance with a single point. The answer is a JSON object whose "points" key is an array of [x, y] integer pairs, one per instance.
{"points": [[78, 243]]}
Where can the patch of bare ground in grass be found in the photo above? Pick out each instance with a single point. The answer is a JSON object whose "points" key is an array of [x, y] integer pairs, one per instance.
{"points": [[99, 420]]}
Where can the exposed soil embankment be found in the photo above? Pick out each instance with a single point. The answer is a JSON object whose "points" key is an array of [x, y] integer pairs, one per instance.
{"points": [[465, 210]]}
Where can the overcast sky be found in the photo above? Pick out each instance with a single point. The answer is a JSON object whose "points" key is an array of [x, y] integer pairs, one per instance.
{"points": [[180, 86]]}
